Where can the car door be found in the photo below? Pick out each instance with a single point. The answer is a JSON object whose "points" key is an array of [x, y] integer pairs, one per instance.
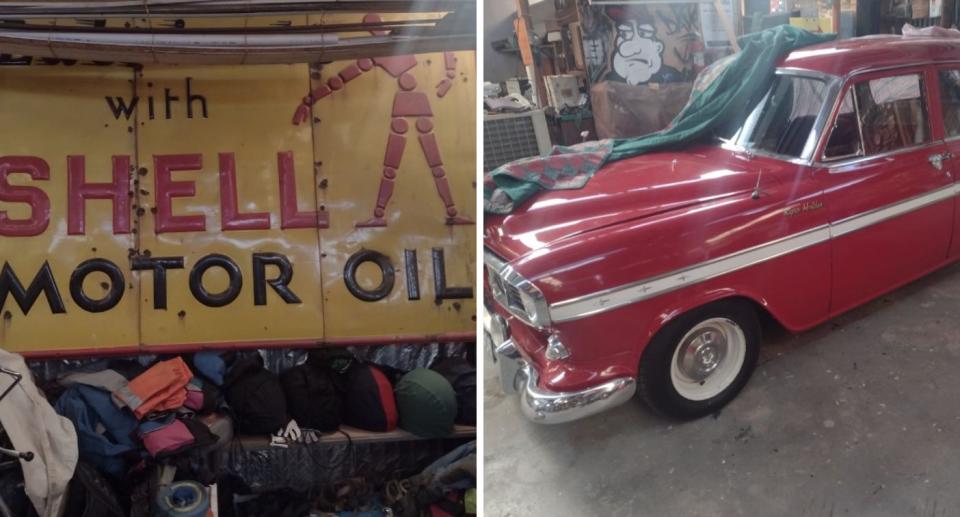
{"points": [[948, 81], [887, 188]]}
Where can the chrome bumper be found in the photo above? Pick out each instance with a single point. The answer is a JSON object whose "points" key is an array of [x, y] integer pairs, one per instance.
{"points": [[549, 407]]}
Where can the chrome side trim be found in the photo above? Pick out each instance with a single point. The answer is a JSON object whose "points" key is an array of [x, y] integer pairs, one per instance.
{"points": [[602, 301], [606, 300], [866, 219], [839, 163]]}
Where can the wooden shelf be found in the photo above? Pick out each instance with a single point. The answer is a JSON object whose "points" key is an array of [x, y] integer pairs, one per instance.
{"points": [[362, 436]]}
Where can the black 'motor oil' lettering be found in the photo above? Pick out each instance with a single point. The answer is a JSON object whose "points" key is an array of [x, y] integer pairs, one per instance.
{"points": [[25, 298], [412, 273], [386, 270], [440, 280], [279, 284], [159, 265], [219, 299], [113, 296]]}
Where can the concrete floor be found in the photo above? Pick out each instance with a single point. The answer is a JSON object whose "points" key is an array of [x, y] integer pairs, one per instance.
{"points": [[860, 416]]}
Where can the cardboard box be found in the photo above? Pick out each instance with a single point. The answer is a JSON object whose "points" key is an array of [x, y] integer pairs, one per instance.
{"points": [[919, 9]]}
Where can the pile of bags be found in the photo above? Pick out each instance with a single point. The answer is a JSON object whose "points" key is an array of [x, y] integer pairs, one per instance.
{"points": [[126, 413], [333, 387]]}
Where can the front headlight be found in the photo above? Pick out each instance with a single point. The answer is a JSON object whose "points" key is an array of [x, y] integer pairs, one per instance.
{"points": [[515, 293], [529, 306], [533, 303]]}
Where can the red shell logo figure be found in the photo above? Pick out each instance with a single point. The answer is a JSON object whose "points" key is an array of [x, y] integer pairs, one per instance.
{"points": [[408, 104]]}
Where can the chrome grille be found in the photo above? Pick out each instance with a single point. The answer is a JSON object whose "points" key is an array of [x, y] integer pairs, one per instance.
{"points": [[509, 289], [513, 297], [496, 283]]}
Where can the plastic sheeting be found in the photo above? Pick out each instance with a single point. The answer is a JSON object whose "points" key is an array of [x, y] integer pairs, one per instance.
{"points": [[622, 111], [310, 467], [403, 357]]}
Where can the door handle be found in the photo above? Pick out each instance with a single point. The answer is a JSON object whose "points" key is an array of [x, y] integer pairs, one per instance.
{"points": [[937, 159]]}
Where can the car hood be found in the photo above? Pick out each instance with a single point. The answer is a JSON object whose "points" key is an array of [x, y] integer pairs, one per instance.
{"points": [[621, 191]]}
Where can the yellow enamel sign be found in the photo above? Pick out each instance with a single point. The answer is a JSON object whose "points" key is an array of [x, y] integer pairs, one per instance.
{"points": [[174, 208]]}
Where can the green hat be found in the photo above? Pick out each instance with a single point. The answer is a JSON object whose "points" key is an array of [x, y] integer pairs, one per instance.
{"points": [[426, 403]]}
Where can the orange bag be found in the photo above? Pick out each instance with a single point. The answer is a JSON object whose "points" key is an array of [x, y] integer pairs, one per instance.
{"points": [[161, 388]]}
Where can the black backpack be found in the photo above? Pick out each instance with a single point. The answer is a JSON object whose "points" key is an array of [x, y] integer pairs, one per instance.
{"points": [[256, 397], [313, 397], [463, 377], [90, 495]]}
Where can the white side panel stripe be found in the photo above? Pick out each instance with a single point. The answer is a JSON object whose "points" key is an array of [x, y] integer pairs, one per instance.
{"points": [[860, 221], [602, 301]]}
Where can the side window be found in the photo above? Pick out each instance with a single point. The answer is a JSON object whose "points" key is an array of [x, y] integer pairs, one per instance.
{"points": [[892, 113], [844, 139], [950, 101]]}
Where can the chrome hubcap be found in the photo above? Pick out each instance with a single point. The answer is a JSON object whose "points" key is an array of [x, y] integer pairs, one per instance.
{"points": [[708, 358], [702, 352]]}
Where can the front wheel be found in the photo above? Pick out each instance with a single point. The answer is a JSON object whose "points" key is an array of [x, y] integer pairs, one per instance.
{"points": [[698, 362]]}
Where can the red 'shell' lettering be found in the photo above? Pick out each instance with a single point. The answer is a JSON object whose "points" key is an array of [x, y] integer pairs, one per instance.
{"points": [[39, 218], [119, 193]]}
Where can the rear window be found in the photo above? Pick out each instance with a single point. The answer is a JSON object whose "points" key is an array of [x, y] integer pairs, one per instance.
{"points": [[950, 101]]}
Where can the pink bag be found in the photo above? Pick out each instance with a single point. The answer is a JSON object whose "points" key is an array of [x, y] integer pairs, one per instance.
{"points": [[165, 436]]}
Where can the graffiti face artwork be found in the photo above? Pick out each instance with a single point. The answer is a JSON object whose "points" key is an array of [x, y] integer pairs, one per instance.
{"points": [[639, 54], [640, 44]]}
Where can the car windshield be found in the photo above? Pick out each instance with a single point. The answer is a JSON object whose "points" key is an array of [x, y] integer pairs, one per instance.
{"points": [[783, 122]]}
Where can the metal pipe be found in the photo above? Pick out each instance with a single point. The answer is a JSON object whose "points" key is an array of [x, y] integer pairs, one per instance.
{"points": [[396, 27], [21, 10], [183, 52], [168, 41]]}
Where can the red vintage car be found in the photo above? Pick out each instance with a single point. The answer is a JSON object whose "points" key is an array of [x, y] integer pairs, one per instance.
{"points": [[654, 277]]}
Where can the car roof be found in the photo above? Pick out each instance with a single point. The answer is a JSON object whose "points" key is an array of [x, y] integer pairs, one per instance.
{"points": [[843, 57]]}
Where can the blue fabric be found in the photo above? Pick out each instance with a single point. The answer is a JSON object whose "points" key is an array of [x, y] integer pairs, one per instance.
{"points": [[211, 365], [447, 473], [88, 407], [148, 426], [365, 513]]}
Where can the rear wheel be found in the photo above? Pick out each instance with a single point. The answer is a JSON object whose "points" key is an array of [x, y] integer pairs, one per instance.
{"points": [[699, 362]]}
